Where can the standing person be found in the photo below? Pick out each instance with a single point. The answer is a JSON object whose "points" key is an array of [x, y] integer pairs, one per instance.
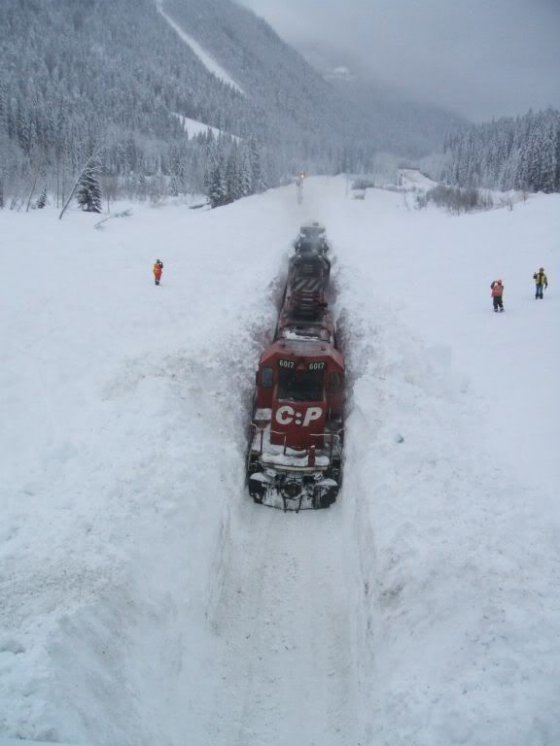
{"points": [[497, 288], [158, 270], [541, 281]]}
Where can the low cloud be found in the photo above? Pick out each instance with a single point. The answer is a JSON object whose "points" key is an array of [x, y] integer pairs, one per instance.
{"points": [[481, 59]]}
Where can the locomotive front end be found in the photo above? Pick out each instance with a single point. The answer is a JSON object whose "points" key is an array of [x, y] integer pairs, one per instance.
{"points": [[295, 453]]}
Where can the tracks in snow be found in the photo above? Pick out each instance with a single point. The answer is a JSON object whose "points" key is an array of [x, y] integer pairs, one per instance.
{"points": [[281, 608]]}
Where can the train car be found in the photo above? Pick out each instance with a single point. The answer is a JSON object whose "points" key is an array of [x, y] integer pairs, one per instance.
{"points": [[307, 292], [312, 236], [295, 453]]}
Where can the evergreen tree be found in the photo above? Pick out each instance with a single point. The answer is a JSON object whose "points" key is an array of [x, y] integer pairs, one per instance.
{"points": [[88, 193], [548, 161], [245, 176], [521, 153], [217, 192], [42, 201], [257, 183], [232, 176]]}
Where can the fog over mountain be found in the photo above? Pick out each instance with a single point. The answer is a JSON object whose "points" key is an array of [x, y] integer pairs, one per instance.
{"points": [[393, 115], [480, 59]]}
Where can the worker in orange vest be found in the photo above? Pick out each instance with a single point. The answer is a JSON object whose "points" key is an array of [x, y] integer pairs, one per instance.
{"points": [[158, 269], [497, 288]]}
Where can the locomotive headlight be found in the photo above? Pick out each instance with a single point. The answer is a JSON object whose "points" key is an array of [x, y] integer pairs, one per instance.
{"points": [[291, 489]]}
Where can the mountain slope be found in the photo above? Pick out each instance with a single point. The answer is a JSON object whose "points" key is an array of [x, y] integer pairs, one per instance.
{"points": [[114, 78], [297, 104]]}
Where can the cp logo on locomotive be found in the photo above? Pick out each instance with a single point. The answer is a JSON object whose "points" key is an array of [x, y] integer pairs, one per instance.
{"points": [[287, 415]]}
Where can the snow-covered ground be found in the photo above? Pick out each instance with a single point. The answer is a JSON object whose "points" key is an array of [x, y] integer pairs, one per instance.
{"points": [[146, 600], [413, 179]]}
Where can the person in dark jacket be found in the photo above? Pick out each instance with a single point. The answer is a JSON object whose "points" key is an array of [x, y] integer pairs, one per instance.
{"points": [[497, 288], [541, 282]]}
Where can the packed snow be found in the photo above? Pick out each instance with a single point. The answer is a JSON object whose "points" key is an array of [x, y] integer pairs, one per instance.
{"points": [[147, 601]]}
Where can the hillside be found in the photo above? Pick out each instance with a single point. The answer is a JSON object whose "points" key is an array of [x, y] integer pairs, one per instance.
{"points": [[115, 78], [397, 124], [146, 600]]}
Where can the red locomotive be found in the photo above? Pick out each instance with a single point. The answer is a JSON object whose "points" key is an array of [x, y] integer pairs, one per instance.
{"points": [[295, 453]]}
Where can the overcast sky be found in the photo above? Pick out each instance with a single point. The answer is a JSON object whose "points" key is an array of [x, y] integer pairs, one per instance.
{"points": [[480, 58]]}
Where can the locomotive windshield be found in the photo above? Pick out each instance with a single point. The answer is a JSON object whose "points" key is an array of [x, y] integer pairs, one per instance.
{"points": [[300, 385]]}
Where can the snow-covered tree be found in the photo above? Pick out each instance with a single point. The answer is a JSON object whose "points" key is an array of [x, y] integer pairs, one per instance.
{"points": [[257, 181], [42, 200], [521, 153], [233, 175], [88, 193], [217, 190]]}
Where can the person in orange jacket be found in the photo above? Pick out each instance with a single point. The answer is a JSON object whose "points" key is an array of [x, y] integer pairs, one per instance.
{"points": [[158, 270], [497, 288]]}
